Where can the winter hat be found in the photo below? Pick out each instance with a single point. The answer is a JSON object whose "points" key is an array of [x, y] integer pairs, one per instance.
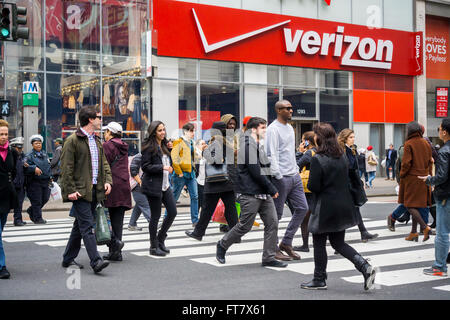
{"points": [[369, 148], [219, 125], [246, 120]]}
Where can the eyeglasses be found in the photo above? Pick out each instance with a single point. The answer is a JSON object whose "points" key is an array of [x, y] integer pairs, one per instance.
{"points": [[288, 108], [98, 117]]}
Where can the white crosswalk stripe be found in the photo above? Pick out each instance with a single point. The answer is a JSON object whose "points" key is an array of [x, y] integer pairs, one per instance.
{"points": [[395, 258]]}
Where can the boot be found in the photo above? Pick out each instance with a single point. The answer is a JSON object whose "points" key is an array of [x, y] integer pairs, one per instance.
{"points": [[390, 223], [426, 233], [317, 283], [366, 236], [366, 269], [162, 245], [155, 249], [412, 237]]}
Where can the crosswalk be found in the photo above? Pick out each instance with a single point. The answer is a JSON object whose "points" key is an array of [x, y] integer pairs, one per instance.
{"points": [[396, 259]]}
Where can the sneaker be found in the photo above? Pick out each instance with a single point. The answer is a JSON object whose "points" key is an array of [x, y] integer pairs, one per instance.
{"points": [[435, 272], [134, 228]]}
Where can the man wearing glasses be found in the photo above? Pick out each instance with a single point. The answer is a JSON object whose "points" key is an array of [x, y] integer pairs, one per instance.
{"points": [[85, 180], [280, 149], [183, 158]]}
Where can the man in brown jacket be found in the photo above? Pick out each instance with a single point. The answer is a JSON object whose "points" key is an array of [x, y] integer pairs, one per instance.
{"points": [[85, 180]]}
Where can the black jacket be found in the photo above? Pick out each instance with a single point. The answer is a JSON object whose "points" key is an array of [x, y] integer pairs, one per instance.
{"points": [[441, 179], [152, 167], [220, 149], [393, 156], [253, 168], [8, 196], [19, 180], [333, 209], [304, 160]]}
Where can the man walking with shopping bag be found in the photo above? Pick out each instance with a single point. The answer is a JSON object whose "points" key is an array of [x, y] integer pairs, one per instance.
{"points": [[85, 180]]}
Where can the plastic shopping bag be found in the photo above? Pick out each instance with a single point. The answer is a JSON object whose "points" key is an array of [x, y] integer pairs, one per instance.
{"points": [[55, 192], [219, 213]]}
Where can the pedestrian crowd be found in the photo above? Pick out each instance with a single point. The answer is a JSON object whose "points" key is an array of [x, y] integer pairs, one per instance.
{"points": [[257, 170]]}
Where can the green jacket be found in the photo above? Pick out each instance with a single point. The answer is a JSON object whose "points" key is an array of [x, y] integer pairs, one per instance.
{"points": [[76, 168]]}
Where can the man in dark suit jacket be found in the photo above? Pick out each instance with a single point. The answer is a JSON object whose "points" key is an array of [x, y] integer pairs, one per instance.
{"points": [[391, 157]]}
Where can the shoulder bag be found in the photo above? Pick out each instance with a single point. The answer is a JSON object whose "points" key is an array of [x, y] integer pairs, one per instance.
{"points": [[304, 174], [216, 173]]}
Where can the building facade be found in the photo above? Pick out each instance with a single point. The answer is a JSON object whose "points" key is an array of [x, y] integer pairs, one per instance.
{"points": [[193, 61]]}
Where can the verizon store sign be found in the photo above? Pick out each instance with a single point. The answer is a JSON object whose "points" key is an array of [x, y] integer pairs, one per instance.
{"points": [[209, 32]]}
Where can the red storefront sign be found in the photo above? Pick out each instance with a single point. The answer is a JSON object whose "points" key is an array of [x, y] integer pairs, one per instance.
{"points": [[199, 31], [441, 102]]}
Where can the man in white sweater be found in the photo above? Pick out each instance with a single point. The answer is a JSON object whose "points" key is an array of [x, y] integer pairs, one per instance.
{"points": [[280, 149]]}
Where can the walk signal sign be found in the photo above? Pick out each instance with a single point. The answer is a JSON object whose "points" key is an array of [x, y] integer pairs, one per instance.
{"points": [[5, 108], [12, 20]]}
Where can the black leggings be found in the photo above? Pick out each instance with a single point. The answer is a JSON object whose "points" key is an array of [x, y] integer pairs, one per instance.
{"points": [[337, 242], [155, 208], [116, 215], [209, 206]]}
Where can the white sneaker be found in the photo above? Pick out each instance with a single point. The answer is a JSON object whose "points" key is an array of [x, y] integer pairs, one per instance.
{"points": [[134, 228]]}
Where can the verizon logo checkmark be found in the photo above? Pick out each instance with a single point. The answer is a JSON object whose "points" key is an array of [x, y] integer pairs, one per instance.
{"points": [[211, 47]]}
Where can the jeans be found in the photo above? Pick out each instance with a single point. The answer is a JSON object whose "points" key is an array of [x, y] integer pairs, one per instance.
{"points": [[390, 165], [178, 185], [250, 206], [155, 208], [3, 216], [401, 209], [363, 172], [371, 177], [441, 242], [83, 228], [141, 206], [290, 188]]}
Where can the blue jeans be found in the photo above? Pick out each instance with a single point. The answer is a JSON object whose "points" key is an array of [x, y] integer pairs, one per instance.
{"points": [[178, 185], [363, 172], [3, 217], [401, 209], [141, 206], [441, 243], [371, 177]]}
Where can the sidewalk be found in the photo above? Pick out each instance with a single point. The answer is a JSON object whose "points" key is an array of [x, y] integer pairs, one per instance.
{"points": [[58, 209]]}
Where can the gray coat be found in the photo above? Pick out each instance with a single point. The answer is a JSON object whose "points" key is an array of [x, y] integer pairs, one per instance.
{"points": [[55, 164]]}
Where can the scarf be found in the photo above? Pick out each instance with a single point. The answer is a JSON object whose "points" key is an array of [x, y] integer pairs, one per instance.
{"points": [[4, 150]]}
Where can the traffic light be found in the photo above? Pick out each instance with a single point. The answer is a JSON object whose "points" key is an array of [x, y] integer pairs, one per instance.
{"points": [[19, 17], [5, 22]]}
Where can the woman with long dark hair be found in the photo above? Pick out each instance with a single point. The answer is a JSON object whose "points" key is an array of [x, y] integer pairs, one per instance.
{"points": [[156, 165], [414, 193], [333, 210], [346, 139]]}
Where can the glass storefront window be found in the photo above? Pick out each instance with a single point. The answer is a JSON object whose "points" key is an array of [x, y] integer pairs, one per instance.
{"points": [[273, 75], [219, 71], [27, 54], [334, 108], [73, 36], [303, 102], [187, 69], [273, 96], [187, 103], [299, 77], [334, 79], [217, 100], [123, 35]]}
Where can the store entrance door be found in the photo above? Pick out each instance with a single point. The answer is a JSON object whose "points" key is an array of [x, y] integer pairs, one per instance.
{"points": [[300, 127]]}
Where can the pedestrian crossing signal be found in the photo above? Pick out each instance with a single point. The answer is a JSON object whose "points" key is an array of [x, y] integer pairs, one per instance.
{"points": [[12, 19], [5, 107], [5, 22]]}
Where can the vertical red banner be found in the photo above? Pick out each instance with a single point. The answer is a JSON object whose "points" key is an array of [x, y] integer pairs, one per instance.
{"points": [[441, 102]]}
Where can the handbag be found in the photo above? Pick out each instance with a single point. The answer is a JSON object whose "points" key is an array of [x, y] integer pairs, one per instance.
{"points": [[357, 191], [102, 232], [371, 161], [216, 173], [304, 174]]}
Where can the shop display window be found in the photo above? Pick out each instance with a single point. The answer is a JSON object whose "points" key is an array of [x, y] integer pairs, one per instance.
{"points": [[219, 71], [303, 102], [333, 79], [334, 108], [301, 77]]}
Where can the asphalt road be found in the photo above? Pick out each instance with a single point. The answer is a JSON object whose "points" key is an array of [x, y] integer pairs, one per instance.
{"points": [[192, 273]]}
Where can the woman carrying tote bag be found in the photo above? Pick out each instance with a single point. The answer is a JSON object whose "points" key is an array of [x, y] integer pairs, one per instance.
{"points": [[218, 185]]}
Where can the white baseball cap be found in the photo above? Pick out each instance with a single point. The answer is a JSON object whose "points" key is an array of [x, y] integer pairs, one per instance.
{"points": [[114, 127]]}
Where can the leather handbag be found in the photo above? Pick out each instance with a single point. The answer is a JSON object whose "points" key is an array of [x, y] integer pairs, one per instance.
{"points": [[304, 174], [216, 173], [357, 191]]}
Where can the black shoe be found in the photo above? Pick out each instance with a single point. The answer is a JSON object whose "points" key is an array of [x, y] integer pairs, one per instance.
{"points": [[72, 263], [301, 248], [20, 223], [224, 228], [100, 265], [163, 247], [118, 246], [193, 235], [4, 273], [390, 223], [274, 263], [220, 253], [157, 252], [40, 221], [113, 256], [314, 284], [366, 269], [366, 236]]}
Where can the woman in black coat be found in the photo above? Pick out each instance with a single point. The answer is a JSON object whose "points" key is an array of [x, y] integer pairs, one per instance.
{"points": [[156, 165], [333, 210], [8, 198], [346, 139], [214, 191]]}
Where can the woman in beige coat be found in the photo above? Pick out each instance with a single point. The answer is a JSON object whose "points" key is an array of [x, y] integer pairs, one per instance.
{"points": [[371, 165]]}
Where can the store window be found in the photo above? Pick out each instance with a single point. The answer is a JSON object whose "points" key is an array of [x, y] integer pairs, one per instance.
{"points": [[27, 54], [273, 75], [334, 108], [73, 36], [303, 102], [273, 96], [333, 79], [300, 77], [187, 103], [187, 69], [123, 35], [219, 71], [217, 100]]}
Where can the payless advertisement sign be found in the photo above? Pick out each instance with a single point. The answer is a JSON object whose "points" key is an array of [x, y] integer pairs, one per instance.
{"points": [[437, 48], [209, 32], [441, 102]]}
